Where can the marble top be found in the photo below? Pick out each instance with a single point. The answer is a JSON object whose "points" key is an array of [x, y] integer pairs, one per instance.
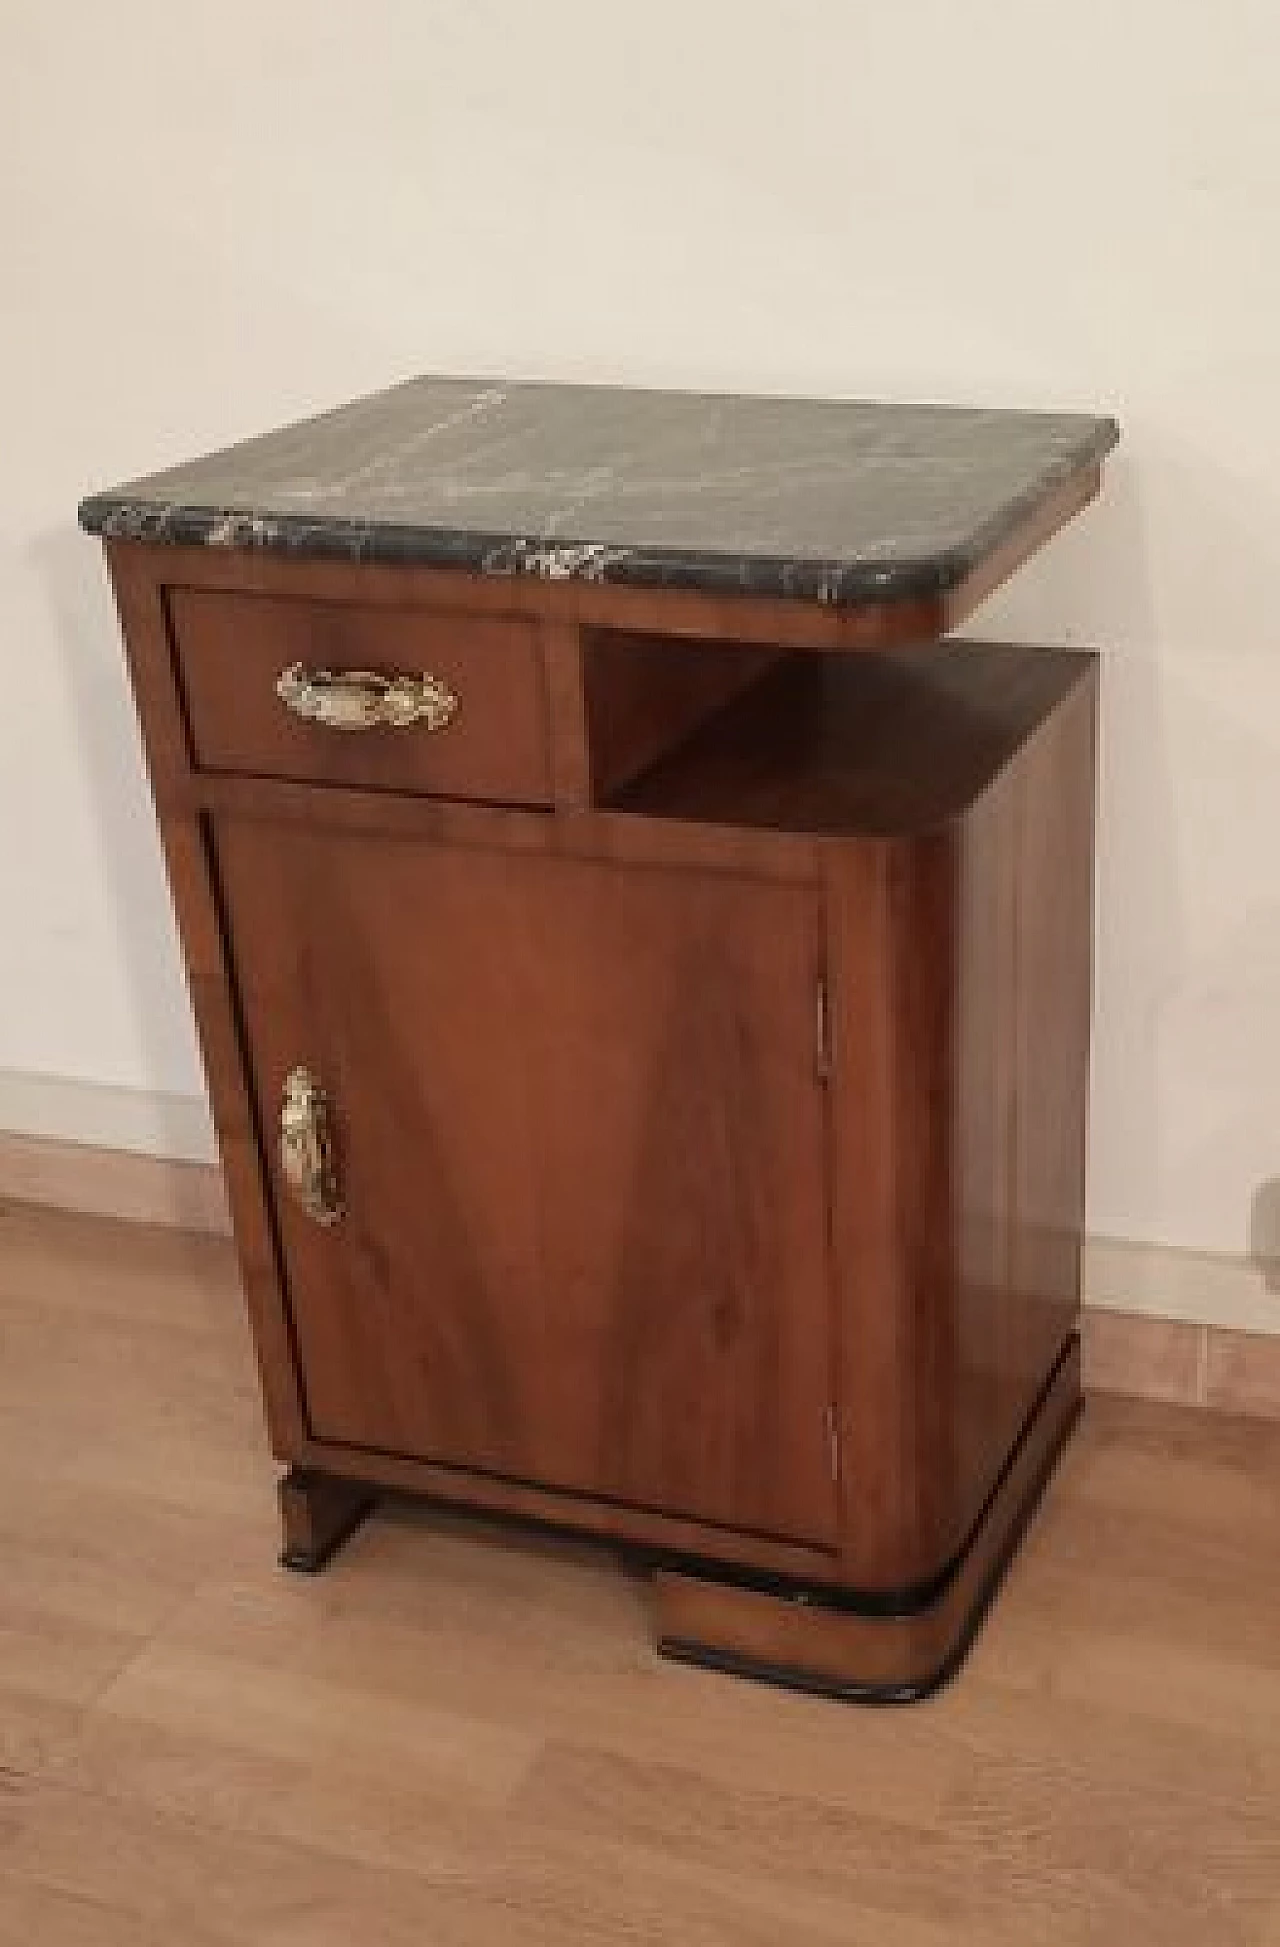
{"points": [[824, 501]]}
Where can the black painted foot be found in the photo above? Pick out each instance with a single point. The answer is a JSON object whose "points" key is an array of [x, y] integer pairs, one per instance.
{"points": [[317, 1513]]}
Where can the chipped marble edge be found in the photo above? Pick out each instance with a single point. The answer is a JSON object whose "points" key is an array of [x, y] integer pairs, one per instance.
{"points": [[829, 583]]}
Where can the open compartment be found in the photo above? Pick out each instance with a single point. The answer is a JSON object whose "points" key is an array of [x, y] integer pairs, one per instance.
{"points": [[845, 744]]}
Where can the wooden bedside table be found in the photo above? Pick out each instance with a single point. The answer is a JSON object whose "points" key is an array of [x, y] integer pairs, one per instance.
{"points": [[643, 975]]}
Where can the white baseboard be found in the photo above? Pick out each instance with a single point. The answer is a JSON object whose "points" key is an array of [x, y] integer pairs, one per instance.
{"points": [[113, 1183], [111, 1152], [172, 1128], [1237, 1294]]}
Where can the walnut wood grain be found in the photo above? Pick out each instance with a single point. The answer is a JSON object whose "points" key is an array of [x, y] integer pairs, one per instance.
{"points": [[1019, 1081], [879, 1214], [624, 839], [961, 982], [570, 746], [580, 1143], [645, 694]]}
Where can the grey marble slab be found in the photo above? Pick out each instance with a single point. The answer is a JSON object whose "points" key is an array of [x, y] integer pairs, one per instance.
{"points": [[830, 502]]}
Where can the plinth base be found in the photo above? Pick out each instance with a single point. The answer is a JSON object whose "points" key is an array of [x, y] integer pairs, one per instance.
{"points": [[808, 1641]]}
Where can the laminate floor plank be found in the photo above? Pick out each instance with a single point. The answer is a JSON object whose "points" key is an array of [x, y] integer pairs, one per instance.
{"points": [[465, 1739]]}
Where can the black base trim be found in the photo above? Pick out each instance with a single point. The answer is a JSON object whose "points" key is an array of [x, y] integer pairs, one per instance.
{"points": [[916, 1690]]}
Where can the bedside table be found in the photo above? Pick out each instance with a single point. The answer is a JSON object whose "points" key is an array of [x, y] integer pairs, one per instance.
{"points": [[643, 975]]}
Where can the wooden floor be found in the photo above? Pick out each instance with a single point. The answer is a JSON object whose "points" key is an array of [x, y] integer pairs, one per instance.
{"points": [[446, 1742]]}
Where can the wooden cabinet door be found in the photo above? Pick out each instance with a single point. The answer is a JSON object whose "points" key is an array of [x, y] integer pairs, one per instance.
{"points": [[579, 1140]]}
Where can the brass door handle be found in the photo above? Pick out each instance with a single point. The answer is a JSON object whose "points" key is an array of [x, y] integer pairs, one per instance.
{"points": [[307, 1156], [357, 699]]}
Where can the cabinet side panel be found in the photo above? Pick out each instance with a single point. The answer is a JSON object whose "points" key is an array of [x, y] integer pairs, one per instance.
{"points": [[961, 971], [140, 602], [1020, 1090], [924, 973]]}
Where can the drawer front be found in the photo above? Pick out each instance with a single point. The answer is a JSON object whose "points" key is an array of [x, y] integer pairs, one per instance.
{"points": [[478, 724]]}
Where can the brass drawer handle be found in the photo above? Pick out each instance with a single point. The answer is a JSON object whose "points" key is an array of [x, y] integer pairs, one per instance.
{"points": [[306, 1147], [356, 699]]}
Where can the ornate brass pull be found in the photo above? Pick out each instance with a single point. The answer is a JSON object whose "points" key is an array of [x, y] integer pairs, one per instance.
{"points": [[306, 1147], [356, 699]]}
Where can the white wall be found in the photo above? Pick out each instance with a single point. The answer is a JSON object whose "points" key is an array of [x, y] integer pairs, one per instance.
{"points": [[215, 218]]}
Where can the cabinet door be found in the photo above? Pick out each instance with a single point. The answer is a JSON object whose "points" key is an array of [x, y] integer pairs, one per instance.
{"points": [[579, 1144]]}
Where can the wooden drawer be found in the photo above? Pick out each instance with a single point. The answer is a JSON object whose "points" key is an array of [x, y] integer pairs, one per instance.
{"points": [[232, 649]]}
